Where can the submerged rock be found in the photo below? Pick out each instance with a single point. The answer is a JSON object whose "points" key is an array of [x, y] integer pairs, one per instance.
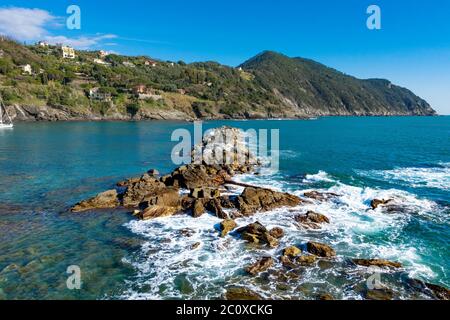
{"points": [[226, 226], [104, 200], [325, 296], [241, 293], [255, 199], [260, 266], [377, 263], [257, 233], [320, 249], [439, 292]]}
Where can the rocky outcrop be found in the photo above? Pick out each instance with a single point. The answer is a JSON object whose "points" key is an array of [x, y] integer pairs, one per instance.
{"points": [[377, 202], [258, 234], [292, 257], [157, 211], [104, 200], [226, 226], [276, 232], [260, 266], [320, 196], [320, 249], [141, 189], [291, 251], [253, 200], [377, 263], [311, 220]]}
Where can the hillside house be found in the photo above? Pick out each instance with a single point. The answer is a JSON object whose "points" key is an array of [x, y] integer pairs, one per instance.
{"points": [[96, 94], [150, 63], [102, 62], [68, 52], [128, 64], [26, 69], [103, 53], [144, 93], [43, 44]]}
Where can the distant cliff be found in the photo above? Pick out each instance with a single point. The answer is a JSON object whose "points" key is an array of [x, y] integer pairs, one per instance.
{"points": [[37, 83]]}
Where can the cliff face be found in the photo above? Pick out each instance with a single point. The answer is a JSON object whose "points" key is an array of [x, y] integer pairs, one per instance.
{"points": [[314, 89], [269, 85]]}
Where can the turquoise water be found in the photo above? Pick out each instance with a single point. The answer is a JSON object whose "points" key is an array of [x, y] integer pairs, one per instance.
{"points": [[47, 167]]}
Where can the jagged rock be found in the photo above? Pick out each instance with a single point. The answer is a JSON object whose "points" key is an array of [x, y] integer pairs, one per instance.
{"points": [[439, 292], [186, 232], [311, 219], [137, 190], [291, 251], [257, 233], [157, 211], [377, 263], [163, 197], [377, 202], [226, 202], [198, 208], [260, 266], [226, 226], [104, 200], [204, 193], [196, 176], [255, 199], [320, 196], [240, 293], [213, 205], [276, 232], [320, 249]]}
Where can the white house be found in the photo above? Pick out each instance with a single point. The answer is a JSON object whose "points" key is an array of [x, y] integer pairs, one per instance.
{"points": [[150, 63], [102, 62], [26, 69], [103, 53], [95, 94], [128, 64], [68, 52], [42, 44]]}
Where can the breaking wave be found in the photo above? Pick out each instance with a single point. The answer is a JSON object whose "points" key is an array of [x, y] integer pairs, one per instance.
{"points": [[416, 177], [184, 258]]}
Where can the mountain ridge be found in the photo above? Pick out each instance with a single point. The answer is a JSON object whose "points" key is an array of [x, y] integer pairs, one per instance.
{"points": [[268, 85]]}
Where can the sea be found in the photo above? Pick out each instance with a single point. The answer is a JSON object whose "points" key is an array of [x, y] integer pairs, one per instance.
{"points": [[45, 168]]}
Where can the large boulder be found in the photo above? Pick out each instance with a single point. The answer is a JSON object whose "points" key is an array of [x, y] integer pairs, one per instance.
{"points": [[255, 199], [214, 206], [377, 263], [260, 266], [226, 226], [375, 203], [137, 190], [311, 220], [276, 232], [204, 193], [320, 249], [157, 211], [104, 200], [198, 208], [194, 176], [258, 234], [291, 251]]}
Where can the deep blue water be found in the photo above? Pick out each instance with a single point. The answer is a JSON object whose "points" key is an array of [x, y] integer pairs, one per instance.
{"points": [[47, 167]]}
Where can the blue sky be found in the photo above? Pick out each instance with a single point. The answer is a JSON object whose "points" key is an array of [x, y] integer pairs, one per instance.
{"points": [[412, 48]]}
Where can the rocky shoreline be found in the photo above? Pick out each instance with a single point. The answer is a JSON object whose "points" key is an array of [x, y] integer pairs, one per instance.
{"points": [[23, 113], [198, 189]]}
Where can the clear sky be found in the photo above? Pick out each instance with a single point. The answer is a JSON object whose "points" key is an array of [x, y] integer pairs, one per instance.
{"points": [[412, 48]]}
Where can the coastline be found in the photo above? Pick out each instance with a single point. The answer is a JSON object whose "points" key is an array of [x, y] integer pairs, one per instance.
{"points": [[25, 114]]}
